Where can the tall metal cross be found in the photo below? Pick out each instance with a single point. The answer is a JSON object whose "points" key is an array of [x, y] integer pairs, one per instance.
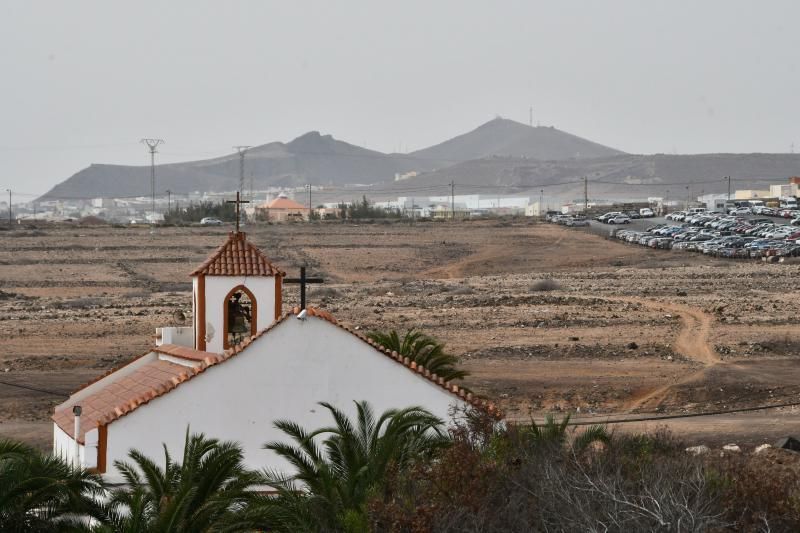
{"points": [[302, 281], [238, 202]]}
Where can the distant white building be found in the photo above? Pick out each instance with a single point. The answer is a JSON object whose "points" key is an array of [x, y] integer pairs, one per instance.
{"points": [[405, 175], [713, 202], [782, 191], [534, 210]]}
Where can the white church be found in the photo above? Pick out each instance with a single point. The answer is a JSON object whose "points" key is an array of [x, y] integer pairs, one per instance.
{"points": [[241, 365]]}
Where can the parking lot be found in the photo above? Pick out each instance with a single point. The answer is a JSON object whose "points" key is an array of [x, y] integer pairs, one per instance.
{"points": [[744, 236]]}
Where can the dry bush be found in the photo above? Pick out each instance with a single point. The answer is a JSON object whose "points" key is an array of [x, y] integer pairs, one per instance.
{"points": [[762, 492], [326, 292], [509, 483], [462, 291], [546, 285], [501, 479]]}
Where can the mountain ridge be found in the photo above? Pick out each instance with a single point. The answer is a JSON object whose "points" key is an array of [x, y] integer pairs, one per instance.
{"points": [[317, 159]]}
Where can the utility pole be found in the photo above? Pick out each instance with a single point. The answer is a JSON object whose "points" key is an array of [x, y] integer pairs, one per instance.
{"points": [[729, 186], [452, 199], [688, 197], [585, 194], [242, 151], [169, 201], [10, 223], [541, 201], [152, 145], [308, 190]]}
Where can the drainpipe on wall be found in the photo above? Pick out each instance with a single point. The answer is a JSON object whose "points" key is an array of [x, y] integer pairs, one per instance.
{"points": [[76, 410]]}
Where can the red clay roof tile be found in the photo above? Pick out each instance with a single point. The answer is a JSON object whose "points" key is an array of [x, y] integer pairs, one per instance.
{"points": [[119, 397], [237, 257]]}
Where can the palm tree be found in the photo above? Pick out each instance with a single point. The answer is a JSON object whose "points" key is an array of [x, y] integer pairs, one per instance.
{"points": [[334, 478], [422, 349], [40, 492], [553, 433], [210, 490]]}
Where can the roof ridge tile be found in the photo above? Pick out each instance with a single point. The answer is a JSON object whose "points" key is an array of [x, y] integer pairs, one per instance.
{"points": [[237, 257]]}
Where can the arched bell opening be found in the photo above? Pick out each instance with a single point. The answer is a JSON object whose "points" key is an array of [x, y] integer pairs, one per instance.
{"points": [[240, 316]]}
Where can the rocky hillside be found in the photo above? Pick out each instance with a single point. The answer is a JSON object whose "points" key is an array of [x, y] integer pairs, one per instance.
{"points": [[311, 158], [503, 137], [621, 176]]}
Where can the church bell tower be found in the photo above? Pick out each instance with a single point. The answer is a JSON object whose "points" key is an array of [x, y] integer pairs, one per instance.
{"points": [[235, 293]]}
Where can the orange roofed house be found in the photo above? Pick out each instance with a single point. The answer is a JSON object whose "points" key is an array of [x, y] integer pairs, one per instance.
{"points": [[281, 209], [243, 364]]}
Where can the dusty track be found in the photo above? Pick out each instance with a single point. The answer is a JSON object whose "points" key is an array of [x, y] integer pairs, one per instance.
{"points": [[692, 342]]}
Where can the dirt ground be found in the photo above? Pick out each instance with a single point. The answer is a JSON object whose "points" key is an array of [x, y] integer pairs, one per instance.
{"points": [[545, 318]]}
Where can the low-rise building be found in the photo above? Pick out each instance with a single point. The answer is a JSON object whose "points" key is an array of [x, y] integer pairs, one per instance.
{"points": [[749, 194], [282, 209]]}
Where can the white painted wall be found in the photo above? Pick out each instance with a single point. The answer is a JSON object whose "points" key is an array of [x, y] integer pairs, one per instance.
{"points": [[217, 287], [283, 374], [180, 335], [64, 447]]}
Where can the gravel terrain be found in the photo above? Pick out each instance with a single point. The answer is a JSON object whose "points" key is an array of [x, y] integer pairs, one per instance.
{"points": [[545, 318]]}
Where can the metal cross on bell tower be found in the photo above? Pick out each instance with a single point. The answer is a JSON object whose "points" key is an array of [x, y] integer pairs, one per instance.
{"points": [[238, 203]]}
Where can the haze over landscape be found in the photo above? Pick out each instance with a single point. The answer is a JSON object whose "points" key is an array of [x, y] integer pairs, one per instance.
{"points": [[439, 266], [643, 79], [498, 156]]}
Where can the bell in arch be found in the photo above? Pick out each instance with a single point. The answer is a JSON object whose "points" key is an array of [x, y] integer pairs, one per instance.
{"points": [[240, 318]]}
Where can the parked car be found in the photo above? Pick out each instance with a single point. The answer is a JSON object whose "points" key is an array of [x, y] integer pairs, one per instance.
{"points": [[577, 222], [210, 221], [619, 219], [608, 216]]}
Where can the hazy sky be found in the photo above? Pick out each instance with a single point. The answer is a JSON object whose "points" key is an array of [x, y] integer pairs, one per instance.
{"points": [[83, 81]]}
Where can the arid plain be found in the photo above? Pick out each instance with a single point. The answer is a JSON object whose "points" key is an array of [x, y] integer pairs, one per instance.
{"points": [[613, 330]]}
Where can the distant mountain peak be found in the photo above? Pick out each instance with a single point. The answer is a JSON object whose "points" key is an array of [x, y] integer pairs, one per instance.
{"points": [[505, 137], [313, 140]]}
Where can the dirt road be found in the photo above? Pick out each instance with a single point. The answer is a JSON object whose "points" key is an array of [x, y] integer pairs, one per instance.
{"points": [[692, 342]]}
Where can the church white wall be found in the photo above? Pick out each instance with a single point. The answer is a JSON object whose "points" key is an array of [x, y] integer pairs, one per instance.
{"points": [[64, 447], [180, 335], [281, 375], [217, 287]]}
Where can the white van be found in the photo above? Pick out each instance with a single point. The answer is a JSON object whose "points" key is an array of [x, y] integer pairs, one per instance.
{"points": [[646, 212]]}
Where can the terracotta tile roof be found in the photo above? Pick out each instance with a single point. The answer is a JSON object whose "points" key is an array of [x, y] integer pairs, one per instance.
{"points": [[111, 371], [237, 257], [281, 202], [122, 395], [184, 352], [156, 378]]}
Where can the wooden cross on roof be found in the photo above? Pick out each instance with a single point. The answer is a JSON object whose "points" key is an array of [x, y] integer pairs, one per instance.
{"points": [[302, 281], [238, 203]]}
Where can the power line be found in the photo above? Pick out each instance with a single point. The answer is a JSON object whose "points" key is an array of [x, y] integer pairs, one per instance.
{"points": [[34, 389], [683, 415]]}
